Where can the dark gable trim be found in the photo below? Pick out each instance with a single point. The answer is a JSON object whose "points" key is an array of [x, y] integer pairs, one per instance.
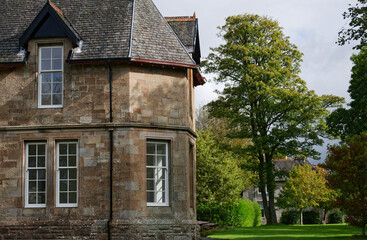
{"points": [[48, 11]]}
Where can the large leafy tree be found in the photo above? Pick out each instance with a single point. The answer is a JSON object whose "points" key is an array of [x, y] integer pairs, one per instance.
{"points": [[264, 99], [303, 189], [345, 122], [220, 179], [357, 30], [346, 167]]}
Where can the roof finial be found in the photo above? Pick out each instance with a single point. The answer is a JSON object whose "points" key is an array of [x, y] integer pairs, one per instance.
{"points": [[194, 16]]}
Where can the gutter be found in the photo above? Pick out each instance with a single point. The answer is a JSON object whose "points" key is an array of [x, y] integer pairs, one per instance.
{"points": [[111, 155]]}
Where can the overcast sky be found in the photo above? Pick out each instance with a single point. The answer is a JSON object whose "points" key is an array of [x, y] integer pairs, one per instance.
{"points": [[312, 25]]}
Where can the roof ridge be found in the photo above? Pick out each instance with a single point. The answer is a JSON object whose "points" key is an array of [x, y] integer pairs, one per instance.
{"points": [[181, 18], [132, 30]]}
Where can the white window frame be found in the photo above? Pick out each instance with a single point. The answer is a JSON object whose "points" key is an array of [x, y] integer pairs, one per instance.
{"points": [[27, 168], [165, 203], [66, 205], [50, 71]]}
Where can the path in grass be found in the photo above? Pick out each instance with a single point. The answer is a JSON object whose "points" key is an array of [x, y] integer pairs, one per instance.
{"points": [[285, 232]]}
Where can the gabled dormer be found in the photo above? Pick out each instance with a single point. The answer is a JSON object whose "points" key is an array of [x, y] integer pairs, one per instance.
{"points": [[50, 23]]}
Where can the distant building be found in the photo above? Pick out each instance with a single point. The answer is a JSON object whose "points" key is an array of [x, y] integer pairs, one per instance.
{"points": [[283, 167]]}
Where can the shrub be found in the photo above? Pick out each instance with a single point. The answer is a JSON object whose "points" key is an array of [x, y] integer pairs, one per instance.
{"points": [[336, 217], [243, 214], [311, 217], [257, 210], [290, 217], [294, 217]]}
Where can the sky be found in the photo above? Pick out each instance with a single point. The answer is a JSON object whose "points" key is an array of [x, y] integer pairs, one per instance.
{"points": [[312, 25]]}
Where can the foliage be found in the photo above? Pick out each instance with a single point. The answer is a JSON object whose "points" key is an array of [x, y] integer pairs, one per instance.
{"points": [[336, 217], [290, 217], [346, 165], [281, 232], [219, 178], [357, 25], [303, 189], [243, 214], [264, 99], [293, 217], [347, 122]]}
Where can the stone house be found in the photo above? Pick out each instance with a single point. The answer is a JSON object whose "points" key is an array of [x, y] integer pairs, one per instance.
{"points": [[282, 168], [97, 134]]}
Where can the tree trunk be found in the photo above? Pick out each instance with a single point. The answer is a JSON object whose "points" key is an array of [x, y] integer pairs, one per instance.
{"points": [[364, 230], [262, 184], [270, 183], [301, 210]]}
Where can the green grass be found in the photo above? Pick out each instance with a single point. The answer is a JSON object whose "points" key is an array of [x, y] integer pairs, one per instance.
{"points": [[285, 232]]}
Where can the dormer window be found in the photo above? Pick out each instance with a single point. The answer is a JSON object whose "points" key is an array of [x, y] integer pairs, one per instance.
{"points": [[50, 77]]}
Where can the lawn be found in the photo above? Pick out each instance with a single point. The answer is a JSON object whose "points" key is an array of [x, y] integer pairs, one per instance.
{"points": [[284, 232]]}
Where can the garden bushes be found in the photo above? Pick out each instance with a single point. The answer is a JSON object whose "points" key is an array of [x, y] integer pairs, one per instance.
{"points": [[336, 217], [243, 214], [293, 217]]}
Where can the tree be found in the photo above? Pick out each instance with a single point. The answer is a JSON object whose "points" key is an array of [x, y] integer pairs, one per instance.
{"points": [[346, 122], [358, 25], [346, 166], [219, 178], [303, 189], [264, 99]]}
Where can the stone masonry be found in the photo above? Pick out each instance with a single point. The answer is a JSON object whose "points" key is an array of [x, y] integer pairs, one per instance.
{"points": [[149, 102]]}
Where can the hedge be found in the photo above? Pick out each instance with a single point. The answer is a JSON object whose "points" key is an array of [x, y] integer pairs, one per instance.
{"points": [[293, 217], [245, 214], [336, 217]]}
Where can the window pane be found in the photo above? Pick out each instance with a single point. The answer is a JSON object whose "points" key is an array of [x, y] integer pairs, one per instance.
{"points": [[63, 174], [32, 186], [63, 185], [56, 64], [41, 174], [32, 174], [161, 148], [63, 161], [41, 198], [57, 77], [161, 161], [160, 173], [72, 185], [150, 184], [32, 198], [57, 88], [72, 161], [32, 162], [56, 99], [150, 148], [159, 185], [150, 172], [45, 65], [72, 173], [150, 197], [46, 100], [31, 149], [63, 148], [72, 197], [56, 52], [46, 77], [42, 149], [41, 162], [46, 87], [150, 160], [45, 53], [160, 197], [72, 148], [63, 197], [41, 186]]}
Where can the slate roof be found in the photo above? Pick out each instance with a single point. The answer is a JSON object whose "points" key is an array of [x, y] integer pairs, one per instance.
{"points": [[186, 29], [110, 29]]}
